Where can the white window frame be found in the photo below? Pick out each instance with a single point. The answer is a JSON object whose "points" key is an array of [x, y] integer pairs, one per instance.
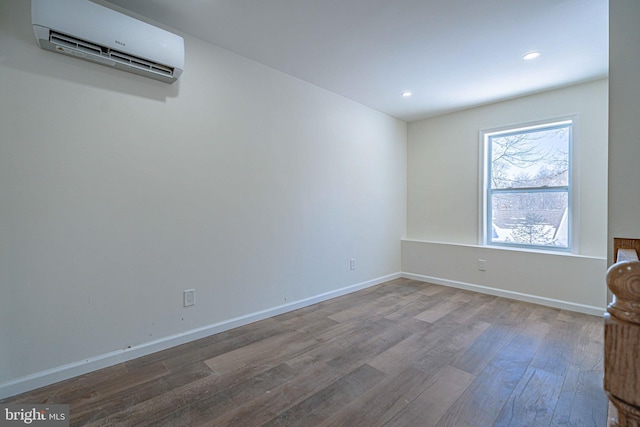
{"points": [[485, 213]]}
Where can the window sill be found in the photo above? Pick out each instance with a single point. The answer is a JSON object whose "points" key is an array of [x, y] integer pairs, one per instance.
{"points": [[507, 249]]}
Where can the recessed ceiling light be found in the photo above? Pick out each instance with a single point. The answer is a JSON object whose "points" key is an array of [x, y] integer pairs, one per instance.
{"points": [[531, 55], [406, 94]]}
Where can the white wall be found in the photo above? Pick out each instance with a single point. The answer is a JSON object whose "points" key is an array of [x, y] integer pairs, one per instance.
{"points": [[118, 192], [624, 129], [443, 194]]}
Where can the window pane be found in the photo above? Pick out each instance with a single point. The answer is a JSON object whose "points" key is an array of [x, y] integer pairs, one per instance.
{"points": [[539, 219], [535, 158]]}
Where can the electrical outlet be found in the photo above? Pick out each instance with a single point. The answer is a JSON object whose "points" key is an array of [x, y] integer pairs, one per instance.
{"points": [[352, 264], [482, 264], [189, 297]]}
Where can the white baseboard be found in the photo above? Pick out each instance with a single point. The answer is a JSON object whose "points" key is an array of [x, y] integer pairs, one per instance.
{"points": [[550, 302], [64, 372]]}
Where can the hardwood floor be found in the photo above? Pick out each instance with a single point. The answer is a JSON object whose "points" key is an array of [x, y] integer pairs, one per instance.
{"points": [[403, 353]]}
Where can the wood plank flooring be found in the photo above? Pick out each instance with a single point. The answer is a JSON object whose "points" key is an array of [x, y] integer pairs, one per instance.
{"points": [[404, 353]]}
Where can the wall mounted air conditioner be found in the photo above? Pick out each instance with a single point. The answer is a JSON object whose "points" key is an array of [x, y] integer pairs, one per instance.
{"points": [[89, 31]]}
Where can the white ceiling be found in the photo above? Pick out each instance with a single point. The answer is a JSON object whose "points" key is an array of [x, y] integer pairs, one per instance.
{"points": [[452, 54]]}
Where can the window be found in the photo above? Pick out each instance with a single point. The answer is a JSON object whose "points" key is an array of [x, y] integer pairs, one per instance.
{"points": [[527, 200]]}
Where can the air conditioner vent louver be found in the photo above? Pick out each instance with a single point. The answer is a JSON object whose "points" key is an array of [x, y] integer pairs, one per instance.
{"points": [[67, 41], [139, 62], [75, 43]]}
